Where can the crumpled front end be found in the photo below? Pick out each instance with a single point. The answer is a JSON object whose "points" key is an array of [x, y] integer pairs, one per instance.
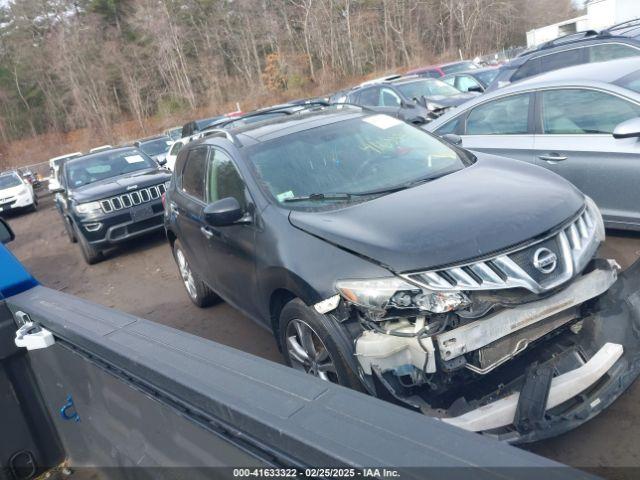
{"points": [[521, 346]]}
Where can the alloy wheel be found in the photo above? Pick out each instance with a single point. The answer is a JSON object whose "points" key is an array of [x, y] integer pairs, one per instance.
{"points": [[186, 274], [308, 352]]}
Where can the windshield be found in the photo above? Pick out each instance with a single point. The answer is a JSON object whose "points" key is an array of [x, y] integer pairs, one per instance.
{"points": [[105, 165], [458, 67], [428, 87], [487, 76], [155, 147], [361, 156], [9, 180]]}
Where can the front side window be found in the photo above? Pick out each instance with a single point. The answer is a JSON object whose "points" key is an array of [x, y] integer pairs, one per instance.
{"points": [[504, 116], [579, 111], [175, 148], [611, 51], [450, 127], [100, 166], [466, 82], [388, 98], [356, 158], [193, 173], [369, 97], [223, 179]]}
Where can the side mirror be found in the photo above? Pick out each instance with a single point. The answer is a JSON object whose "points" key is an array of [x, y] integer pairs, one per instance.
{"points": [[225, 211], [452, 138], [628, 129], [475, 88], [6, 234]]}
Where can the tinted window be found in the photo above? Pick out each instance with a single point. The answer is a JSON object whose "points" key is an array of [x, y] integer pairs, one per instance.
{"points": [[369, 97], [223, 179], [350, 156], [574, 111], [194, 172], [388, 98], [561, 60], [611, 51], [505, 116], [527, 69]]}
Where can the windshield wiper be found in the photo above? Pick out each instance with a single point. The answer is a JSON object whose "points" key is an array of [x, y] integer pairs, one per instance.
{"points": [[402, 186], [319, 197]]}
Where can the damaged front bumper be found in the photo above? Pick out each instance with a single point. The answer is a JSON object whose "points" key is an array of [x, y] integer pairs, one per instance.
{"points": [[550, 385]]}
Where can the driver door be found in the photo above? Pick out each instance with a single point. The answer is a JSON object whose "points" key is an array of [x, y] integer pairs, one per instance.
{"points": [[230, 250]]}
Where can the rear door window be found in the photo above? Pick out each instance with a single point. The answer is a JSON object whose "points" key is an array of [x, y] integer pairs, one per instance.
{"points": [[611, 51], [503, 116], [559, 60], [193, 173], [581, 111]]}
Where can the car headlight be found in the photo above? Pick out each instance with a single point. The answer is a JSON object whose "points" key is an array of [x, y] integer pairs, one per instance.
{"points": [[381, 293], [90, 207], [595, 211]]}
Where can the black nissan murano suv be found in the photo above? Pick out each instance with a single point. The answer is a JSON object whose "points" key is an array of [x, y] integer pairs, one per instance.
{"points": [[386, 260]]}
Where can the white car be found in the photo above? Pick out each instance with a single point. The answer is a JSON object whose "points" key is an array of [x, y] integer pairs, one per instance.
{"points": [[55, 164], [16, 193], [173, 152]]}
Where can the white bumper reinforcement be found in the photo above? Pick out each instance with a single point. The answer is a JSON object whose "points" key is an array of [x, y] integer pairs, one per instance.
{"points": [[563, 387]]}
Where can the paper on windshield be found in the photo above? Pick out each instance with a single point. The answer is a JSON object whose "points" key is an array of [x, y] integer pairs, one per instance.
{"points": [[382, 121], [134, 159]]}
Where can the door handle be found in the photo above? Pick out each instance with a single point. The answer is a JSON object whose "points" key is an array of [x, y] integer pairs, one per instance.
{"points": [[553, 158], [206, 232]]}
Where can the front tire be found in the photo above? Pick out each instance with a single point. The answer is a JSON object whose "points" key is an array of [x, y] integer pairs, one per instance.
{"points": [[198, 291], [90, 254], [312, 343], [69, 229]]}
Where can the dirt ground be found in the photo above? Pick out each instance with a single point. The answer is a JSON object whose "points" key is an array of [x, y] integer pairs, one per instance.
{"points": [[142, 279]]}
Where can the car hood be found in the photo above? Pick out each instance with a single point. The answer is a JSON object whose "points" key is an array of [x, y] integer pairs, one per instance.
{"points": [[490, 206], [120, 184], [452, 101]]}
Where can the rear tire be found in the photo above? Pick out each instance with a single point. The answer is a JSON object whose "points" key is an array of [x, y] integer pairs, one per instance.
{"points": [[312, 342], [199, 293], [91, 254]]}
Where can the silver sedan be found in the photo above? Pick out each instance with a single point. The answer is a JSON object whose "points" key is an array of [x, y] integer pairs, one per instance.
{"points": [[581, 122]]}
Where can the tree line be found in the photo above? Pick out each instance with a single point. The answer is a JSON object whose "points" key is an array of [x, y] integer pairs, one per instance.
{"points": [[67, 64]]}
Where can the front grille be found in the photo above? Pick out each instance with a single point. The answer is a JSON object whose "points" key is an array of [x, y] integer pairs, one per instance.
{"points": [[573, 246], [127, 200]]}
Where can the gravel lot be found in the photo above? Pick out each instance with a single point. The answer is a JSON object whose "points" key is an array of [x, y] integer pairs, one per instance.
{"points": [[141, 278]]}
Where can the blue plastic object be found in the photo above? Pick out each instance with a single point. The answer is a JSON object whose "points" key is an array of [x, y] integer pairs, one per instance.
{"points": [[14, 278]]}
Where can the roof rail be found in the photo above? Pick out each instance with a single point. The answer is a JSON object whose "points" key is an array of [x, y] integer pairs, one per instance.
{"points": [[571, 37], [218, 132], [618, 26]]}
